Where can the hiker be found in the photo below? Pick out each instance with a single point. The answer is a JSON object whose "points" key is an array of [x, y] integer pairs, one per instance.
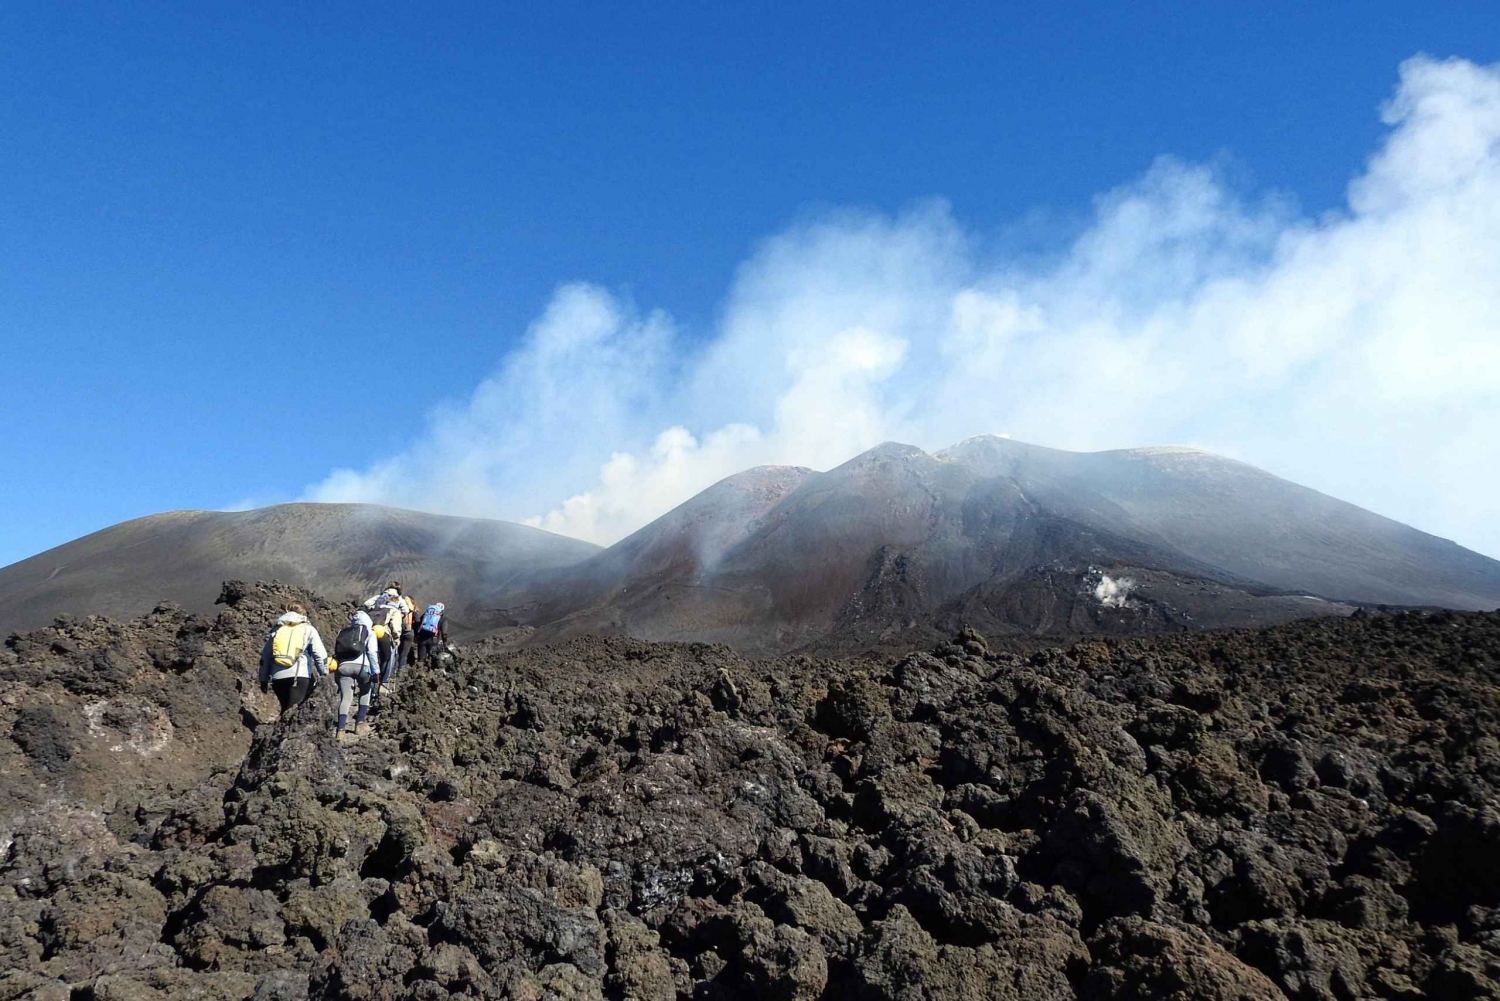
{"points": [[380, 596], [406, 652], [387, 612], [432, 632], [293, 658], [385, 595], [385, 643], [358, 665], [406, 632]]}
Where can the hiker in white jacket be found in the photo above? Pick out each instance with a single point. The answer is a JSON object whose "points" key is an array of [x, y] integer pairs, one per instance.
{"points": [[293, 658], [389, 611]]}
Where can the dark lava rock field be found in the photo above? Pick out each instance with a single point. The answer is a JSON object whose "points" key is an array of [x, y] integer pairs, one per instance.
{"points": [[1305, 812]]}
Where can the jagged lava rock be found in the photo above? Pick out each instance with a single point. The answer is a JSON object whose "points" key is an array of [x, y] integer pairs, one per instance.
{"points": [[1305, 812]]}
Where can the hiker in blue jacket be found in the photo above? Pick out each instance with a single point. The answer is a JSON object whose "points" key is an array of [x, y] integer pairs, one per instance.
{"points": [[432, 634]]}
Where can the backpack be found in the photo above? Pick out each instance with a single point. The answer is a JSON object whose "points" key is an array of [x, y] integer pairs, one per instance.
{"points": [[431, 618], [389, 613], [288, 642], [350, 643]]}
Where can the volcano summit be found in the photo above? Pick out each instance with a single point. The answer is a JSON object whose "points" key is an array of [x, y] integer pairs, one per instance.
{"points": [[895, 548], [1003, 535]]}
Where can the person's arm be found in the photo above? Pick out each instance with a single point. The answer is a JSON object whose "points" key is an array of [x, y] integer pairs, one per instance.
{"points": [[265, 662], [372, 654], [317, 652]]}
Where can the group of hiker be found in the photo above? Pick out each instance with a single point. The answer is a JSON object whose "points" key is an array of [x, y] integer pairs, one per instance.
{"points": [[384, 635]]}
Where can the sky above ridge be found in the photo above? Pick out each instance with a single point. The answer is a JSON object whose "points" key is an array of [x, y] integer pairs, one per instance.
{"points": [[570, 263]]}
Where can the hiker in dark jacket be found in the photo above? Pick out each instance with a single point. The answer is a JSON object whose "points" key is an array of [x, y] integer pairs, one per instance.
{"points": [[357, 668], [432, 634], [293, 658]]}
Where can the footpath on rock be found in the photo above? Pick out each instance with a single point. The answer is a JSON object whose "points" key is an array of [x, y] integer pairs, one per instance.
{"points": [[1303, 812]]}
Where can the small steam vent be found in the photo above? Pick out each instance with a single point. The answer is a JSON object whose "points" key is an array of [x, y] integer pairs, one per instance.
{"points": [[1107, 590]]}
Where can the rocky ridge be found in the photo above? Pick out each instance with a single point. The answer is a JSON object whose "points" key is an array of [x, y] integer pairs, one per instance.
{"points": [[1304, 812], [124, 716]]}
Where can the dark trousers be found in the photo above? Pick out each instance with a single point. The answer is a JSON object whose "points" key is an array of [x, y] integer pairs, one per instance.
{"points": [[426, 644], [408, 644], [292, 691], [386, 648]]}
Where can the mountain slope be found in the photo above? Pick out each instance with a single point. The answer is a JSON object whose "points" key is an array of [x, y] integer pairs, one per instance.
{"points": [[1002, 534], [342, 550], [664, 574], [1244, 520], [894, 547]]}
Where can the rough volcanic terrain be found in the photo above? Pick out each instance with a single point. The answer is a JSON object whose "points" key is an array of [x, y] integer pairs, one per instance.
{"points": [[125, 716], [1307, 812]]}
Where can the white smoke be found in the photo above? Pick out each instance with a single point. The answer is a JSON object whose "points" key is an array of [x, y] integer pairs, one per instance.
{"points": [[1113, 593], [1357, 352]]}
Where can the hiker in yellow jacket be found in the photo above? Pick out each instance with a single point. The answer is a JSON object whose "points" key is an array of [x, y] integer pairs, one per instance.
{"points": [[293, 658]]}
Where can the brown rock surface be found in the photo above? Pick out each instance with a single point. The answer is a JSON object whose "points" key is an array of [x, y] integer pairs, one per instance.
{"points": [[1305, 812]]}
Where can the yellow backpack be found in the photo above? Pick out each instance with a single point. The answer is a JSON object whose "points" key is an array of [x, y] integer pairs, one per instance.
{"points": [[288, 643]]}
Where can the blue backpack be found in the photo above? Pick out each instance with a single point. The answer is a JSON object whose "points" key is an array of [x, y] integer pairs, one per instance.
{"points": [[431, 618]]}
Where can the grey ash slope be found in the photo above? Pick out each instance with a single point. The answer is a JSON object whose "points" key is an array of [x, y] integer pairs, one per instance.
{"points": [[337, 549], [897, 543], [1244, 520], [663, 579]]}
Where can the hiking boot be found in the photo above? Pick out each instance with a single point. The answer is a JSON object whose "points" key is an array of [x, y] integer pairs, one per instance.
{"points": [[343, 735], [361, 728], [385, 689]]}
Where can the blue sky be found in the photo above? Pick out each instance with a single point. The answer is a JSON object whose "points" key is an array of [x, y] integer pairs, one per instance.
{"points": [[243, 248]]}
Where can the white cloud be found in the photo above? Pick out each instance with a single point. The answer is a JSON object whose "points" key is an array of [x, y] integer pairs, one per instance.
{"points": [[1358, 353], [586, 378]]}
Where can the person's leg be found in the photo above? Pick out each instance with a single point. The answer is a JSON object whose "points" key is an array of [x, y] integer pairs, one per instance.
{"points": [[283, 689], [408, 641], [424, 645], [388, 666], [298, 692], [364, 708], [346, 701], [385, 657]]}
